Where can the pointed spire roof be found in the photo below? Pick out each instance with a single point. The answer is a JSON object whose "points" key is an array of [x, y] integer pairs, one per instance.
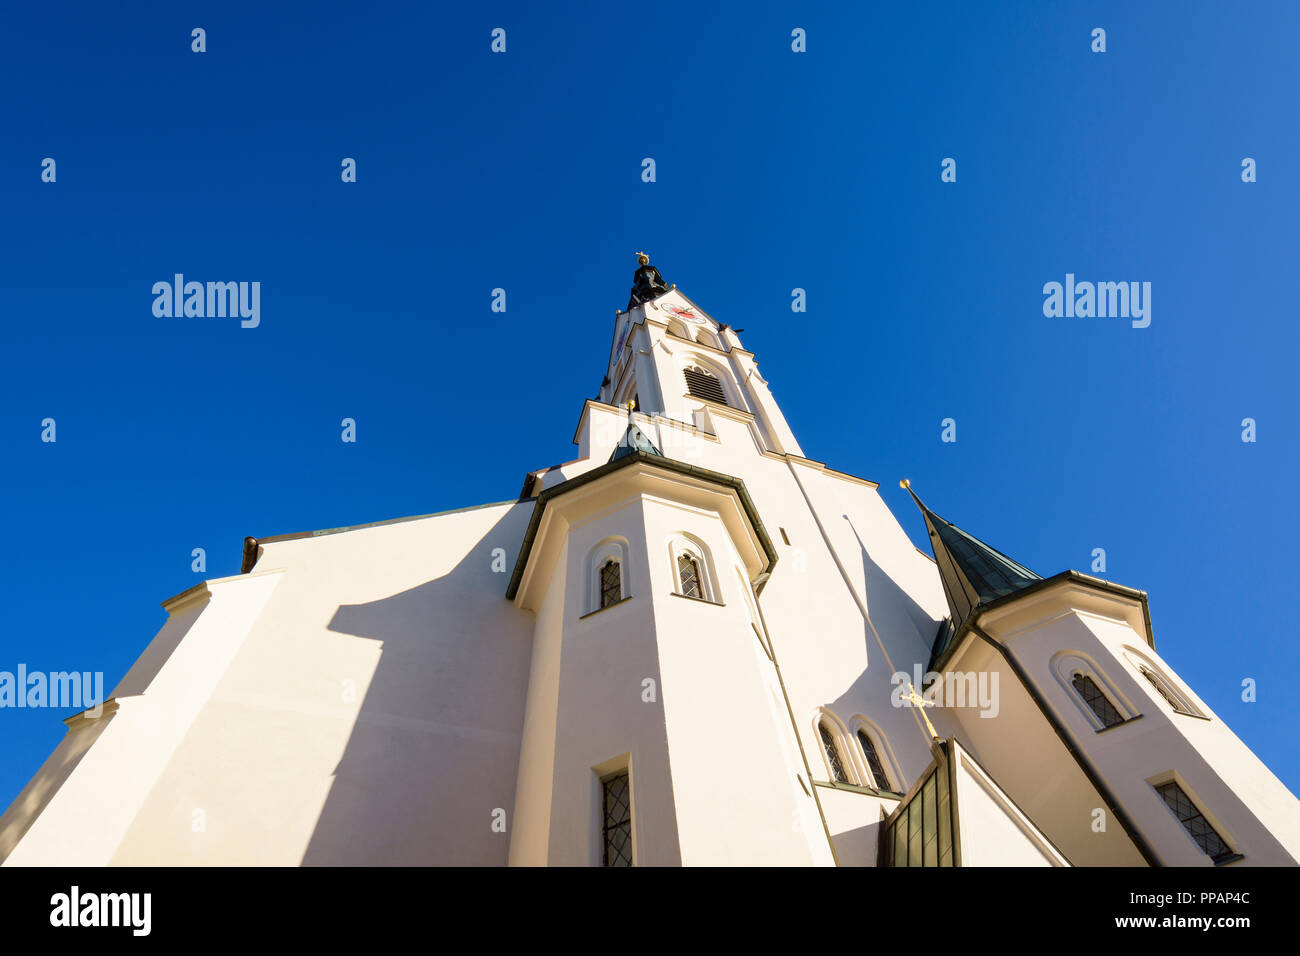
{"points": [[972, 572], [634, 440]]}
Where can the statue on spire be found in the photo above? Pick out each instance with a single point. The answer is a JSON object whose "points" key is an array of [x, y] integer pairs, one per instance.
{"points": [[647, 283]]}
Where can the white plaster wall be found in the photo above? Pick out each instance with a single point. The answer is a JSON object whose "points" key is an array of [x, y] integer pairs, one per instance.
{"points": [[530, 836], [993, 832], [368, 711], [855, 820], [736, 799]]}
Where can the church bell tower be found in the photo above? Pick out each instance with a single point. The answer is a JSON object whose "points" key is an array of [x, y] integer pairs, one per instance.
{"points": [[643, 561]]}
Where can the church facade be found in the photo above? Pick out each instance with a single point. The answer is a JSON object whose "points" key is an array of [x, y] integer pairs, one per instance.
{"points": [[689, 645]]}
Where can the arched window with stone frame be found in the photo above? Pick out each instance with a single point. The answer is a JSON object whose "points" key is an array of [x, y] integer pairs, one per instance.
{"points": [[1091, 691], [708, 337], [875, 755], [607, 575], [834, 751], [692, 568], [1169, 691]]}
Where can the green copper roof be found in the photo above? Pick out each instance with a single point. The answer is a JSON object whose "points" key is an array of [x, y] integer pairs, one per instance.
{"points": [[634, 440], [972, 572]]}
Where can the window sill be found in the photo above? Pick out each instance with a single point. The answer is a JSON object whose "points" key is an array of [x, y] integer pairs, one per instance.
{"points": [[605, 608], [1227, 860], [854, 788], [687, 597], [1122, 723]]}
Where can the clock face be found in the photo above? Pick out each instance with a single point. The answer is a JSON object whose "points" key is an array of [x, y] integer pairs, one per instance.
{"points": [[686, 314]]}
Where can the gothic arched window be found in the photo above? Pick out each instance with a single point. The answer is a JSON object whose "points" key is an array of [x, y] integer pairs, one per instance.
{"points": [[692, 569], [834, 759], [701, 383], [874, 764], [1163, 685], [1097, 702], [607, 575]]}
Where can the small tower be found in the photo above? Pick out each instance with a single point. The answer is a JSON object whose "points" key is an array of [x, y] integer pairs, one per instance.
{"points": [[1129, 766], [647, 656]]}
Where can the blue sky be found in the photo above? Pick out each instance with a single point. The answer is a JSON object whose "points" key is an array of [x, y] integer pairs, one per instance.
{"points": [[775, 170]]}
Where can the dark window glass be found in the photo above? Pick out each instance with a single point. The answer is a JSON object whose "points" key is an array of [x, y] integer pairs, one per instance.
{"points": [[1095, 699], [1194, 822], [832, 754], [703, 385], [611, 584], [689, 571], [873, 761], [618, 821]]}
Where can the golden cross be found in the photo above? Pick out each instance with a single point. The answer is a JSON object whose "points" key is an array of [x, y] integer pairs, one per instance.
{"points": [[916, 700]]}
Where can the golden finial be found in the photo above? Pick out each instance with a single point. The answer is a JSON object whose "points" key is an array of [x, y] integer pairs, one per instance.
{"points": [[916, 700], [642, 258], [629, 406], [905, 484]]}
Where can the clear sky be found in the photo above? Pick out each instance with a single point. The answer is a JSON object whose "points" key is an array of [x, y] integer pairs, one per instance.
{"points": [[522, 171]]}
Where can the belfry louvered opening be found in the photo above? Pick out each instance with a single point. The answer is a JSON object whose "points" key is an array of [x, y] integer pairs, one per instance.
{"points": [[704, 384]]}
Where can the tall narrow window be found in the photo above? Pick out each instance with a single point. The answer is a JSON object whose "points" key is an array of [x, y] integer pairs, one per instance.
{"points": [[611, 583], [1173, 700], [1097, 702], [1194, 822], [874, 763], [618, 821], [608, 577], [832, 753], [703, 384], [688, 570]]}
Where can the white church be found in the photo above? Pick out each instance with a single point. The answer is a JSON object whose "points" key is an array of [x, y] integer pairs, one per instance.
{"points": [[689, 645]]}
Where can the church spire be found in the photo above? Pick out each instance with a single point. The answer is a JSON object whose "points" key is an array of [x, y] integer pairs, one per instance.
{"points": [[972, 572]]}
